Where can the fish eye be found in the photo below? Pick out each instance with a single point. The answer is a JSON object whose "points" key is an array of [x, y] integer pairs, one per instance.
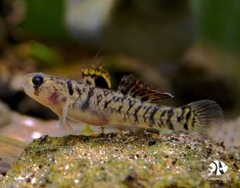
{"points": [[37, 80]]}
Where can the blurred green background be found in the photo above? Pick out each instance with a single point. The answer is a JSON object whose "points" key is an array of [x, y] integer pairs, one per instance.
{"points": [[45, 18], [217, 21]]}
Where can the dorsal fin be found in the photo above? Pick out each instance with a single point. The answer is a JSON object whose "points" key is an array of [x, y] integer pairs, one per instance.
{"points": [[131, 85], [96, 76]]}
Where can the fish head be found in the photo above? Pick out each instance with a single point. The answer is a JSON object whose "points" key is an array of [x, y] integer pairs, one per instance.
{"points": [[44, 88]]}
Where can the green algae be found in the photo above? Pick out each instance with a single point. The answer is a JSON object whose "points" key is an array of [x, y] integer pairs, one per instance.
{"points": [[121, 160]]}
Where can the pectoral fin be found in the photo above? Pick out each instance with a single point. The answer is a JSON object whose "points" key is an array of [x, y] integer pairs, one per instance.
{"points": [[64, 121]]}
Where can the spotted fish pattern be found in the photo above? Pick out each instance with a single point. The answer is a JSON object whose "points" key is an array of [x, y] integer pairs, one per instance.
{"points": [[72, 100]]}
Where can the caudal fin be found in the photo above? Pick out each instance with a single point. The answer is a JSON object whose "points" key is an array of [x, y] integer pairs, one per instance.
{"points": [[204, 117]]}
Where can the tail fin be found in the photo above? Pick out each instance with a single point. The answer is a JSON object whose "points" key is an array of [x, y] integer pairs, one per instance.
{"points": [[204, 117]]}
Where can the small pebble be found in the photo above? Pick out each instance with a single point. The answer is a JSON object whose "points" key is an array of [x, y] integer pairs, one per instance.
{"points": [[152, 142]]}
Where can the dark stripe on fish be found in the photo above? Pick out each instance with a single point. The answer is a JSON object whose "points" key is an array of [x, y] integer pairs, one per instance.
{"points": [[70, 88], [136, 111], [169, 123], [151, 119], [86, 103], [146, 113]]}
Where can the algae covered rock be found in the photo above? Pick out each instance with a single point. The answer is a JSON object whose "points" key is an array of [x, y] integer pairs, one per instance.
{"points": [[122, 160]]}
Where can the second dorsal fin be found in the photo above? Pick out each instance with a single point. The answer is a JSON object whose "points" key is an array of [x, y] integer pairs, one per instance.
{"points": [[131, 85]]}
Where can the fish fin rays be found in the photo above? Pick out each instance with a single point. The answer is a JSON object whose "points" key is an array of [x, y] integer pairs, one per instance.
{"points": [[64, 120], [207, 118], [96, 77], [131, 85], [65, 125]]}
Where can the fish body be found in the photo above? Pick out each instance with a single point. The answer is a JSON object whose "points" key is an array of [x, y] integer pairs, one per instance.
{"points": [[72, 100]]}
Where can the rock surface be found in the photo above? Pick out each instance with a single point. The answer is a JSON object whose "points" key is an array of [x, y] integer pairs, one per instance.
{"points": [[122, 160]]}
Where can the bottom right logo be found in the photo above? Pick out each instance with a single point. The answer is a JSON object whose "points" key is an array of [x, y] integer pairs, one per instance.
{"points": [[218, 168]]}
